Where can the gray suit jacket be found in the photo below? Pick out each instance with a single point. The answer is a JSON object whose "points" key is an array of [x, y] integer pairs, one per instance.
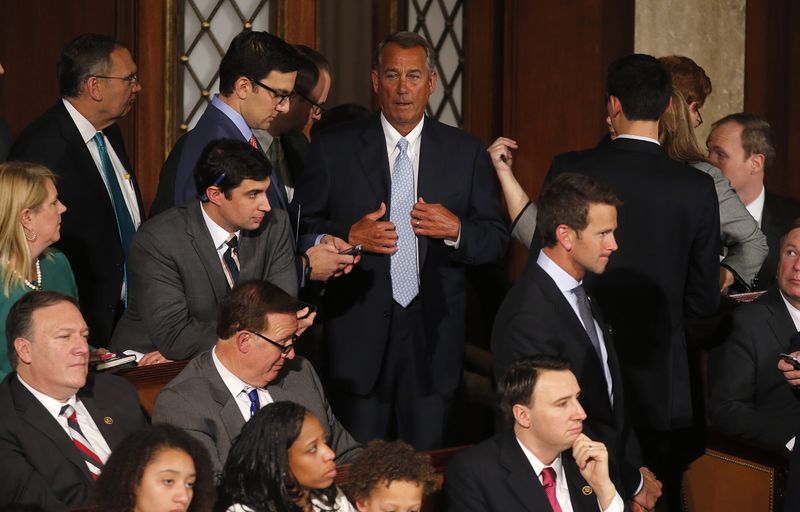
{"points": [[176, 280], [198, 401]]}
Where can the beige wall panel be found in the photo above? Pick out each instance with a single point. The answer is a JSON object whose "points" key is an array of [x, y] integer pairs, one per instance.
{"points": [[712, 33]]}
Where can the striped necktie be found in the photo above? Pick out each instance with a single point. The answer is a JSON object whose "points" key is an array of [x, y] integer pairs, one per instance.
{"points": [[91, 459]]}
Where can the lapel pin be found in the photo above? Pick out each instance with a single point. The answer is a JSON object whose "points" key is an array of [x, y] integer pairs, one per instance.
{"points": [[586, 490], [108, 420]]}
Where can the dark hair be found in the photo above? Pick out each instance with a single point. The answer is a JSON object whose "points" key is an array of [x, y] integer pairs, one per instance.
{"points": [[20, 317], [257, 472], [688, 78], [406, 40], [337, 115], [642, 84], [254, 55], [226, 163], [86, 55], [122, 474], [566, 200], [520, 379], [756, 135], [246, 306], [383, 462], [307, 72]]}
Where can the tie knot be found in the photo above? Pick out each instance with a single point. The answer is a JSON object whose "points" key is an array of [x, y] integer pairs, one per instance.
{"points": [[579, 292], [253, 395], [233, 243], [548, 477], [67, 411], [402, 145], [98, 139]]}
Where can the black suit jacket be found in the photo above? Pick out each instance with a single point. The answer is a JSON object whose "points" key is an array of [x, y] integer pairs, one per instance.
{"points": [[535, 318], [778, 214], [38, 461], [748, 396], [495, 476], [89, 233], [347, 177], [667, 266]]}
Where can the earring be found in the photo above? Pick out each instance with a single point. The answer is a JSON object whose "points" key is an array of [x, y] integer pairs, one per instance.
{"points": [[30, 235]]}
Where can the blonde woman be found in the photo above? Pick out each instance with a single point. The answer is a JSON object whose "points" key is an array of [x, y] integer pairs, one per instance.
{"points": [[30, 222]]}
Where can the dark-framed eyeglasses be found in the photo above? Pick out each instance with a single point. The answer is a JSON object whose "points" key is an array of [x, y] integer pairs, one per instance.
{"points": [[284, 348], [316, 108], [131, 79], [699, 118], [275, 94]]}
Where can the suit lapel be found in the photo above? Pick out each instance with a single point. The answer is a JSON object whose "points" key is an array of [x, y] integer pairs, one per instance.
{"points": [[580, 493], [431, 177], [115, 137], [230, 414], [779, 321], [375, 162], [34, 413], [521, 477], [204, 247]]}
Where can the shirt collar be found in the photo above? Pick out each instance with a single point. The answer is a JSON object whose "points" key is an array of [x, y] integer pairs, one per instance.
{"points": [[756, 208], [637, 137], [218, 235], [86, 129], [234, 384], [538, 465], [235, 117], [52, 405], [564, 281], [794, 313], [393, 136]]}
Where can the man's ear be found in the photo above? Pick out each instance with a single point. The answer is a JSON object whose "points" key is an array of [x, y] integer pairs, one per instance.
{"points": [[215, 195], [376, 81], [521, 416], [565, 236], [614, 106], [757, 163], [244, 341], [92, 88], [242, 87], [23, 348]]}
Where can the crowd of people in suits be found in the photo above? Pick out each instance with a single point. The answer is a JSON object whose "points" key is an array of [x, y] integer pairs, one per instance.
{"points": [[259, 240]]}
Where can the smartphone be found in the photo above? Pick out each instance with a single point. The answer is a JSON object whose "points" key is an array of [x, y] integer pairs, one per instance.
{"points": [[353, 251], [791, 360], [311, 309]]}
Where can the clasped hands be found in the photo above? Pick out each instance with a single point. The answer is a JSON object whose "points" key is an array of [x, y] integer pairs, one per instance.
{"points": [[427, 219]]}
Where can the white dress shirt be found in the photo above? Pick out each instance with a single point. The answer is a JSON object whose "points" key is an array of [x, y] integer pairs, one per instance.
{"points": [[239, 388], [756, 208], [220, 236], [87, 424], [561, 485]]}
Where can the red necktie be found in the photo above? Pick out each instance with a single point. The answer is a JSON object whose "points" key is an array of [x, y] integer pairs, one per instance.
{"points": [[253, 142], [549, 484], [91, 459]]}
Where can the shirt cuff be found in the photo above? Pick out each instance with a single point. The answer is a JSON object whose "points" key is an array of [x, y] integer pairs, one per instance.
{"points": [[790, 444], [454, 243], [641, 484], [617, 505]]}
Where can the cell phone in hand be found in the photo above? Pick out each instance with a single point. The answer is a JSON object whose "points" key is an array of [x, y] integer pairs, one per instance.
{"points": [[353, 251], [795, 362], [311, 309]]}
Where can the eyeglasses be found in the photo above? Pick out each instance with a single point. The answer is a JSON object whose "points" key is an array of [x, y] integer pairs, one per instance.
{"points": [[699, 118], [275, 94], [283, 348], [131, 79], [316, 108]]}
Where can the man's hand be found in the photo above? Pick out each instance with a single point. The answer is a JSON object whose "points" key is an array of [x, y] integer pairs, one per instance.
{"points": [[434, 220], [592, 459], [304, 320], [374, 235], [645, 500], [500, 154], [791, 375], [725, 278], [153, 358], [326, 262]]}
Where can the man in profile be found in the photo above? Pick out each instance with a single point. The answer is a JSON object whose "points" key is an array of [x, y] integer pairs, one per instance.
{"points": [[60, 423], [540, 395], [80, 141]]}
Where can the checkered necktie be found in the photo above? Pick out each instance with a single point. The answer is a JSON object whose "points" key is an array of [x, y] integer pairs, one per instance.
{"points": [[91, 459], [403, 263]]}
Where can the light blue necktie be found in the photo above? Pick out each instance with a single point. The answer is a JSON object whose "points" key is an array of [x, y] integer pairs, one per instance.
{"points": [[255, 404], [403, 263]]}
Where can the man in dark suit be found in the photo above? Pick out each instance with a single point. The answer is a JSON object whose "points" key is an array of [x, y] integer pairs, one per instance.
{"points": [[420, 199], [185, 260], [547, 312], [742, 146], [748, 397], [252, 364], [80, 141], [668, 264], [49, 406], [540, 395]]}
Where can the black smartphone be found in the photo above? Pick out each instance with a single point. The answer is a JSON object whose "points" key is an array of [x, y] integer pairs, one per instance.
{"points": [[311, 309], [791, 360], [353, 251]]}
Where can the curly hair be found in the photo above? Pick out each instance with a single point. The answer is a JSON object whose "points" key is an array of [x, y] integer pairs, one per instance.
{"points": [[116, 487], [257, 472], [382, 463]]}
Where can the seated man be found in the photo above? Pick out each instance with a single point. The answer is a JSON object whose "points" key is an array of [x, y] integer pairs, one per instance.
{"points": [[59, 425], [252, 364], [541, 394], [185, 260], [748, 397]]}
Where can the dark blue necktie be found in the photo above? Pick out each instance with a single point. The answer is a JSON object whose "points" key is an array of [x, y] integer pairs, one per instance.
{"points": [[255, 404], [230, 261]]}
